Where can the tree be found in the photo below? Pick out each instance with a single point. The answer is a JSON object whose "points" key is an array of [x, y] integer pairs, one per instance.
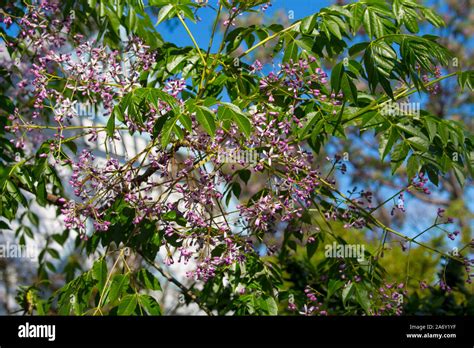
{"points": [[239, 177]]}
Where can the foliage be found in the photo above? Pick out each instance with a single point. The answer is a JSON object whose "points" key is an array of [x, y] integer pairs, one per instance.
{"points": [[133, 216]]}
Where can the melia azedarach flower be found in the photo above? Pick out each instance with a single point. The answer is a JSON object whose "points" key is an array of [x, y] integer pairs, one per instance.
{"points": [[179, 185]]}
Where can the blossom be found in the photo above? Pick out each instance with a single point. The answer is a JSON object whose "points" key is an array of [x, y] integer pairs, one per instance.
{"points": [[175, 86]]}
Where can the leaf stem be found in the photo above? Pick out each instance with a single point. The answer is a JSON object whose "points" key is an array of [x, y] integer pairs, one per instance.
{"points": [[193, 40]]}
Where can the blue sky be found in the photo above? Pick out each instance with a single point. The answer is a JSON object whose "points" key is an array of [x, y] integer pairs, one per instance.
{"points": [[178, 35]]}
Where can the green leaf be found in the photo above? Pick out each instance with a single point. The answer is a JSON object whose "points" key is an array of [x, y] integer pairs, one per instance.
{"points": [[118, 286], [244, 175], [372, 23], [165, 12], [99, 273], [236, 189], [445, 162], [167, 131], [150, 305], [384, 57], [362, 298], [111, 125], [154, 96], [334, 28], [41, 194], [4, 226], [71, 145], [307, 24], [127, 305], [419, 143], [466, 78], [136, 103], [311, 248], [291, 51], [357, 11], [408, 129], [411, 23], [459, 173], [340, 10], [398, 155], [398, 10], [272, 306], [14, 191], [412, 167], [386, 142], [171, 126], [185, 120], [170, 215], [186, 12], [432, 174], [205, 117], [333, 286], [433, 17], [243, 123], [443, 133], [132, 19], [6, 104], [113, 19], [431, 127], [53, 252], [174, 62], [423, 50], [118, 113], [268, 305], [336, 76], [348, 88], [238, 116], [358, 47], [312, 120], [379, 61], [347, 293], [148, 279]]}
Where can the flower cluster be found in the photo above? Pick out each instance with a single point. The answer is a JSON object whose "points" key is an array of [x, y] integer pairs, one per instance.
{"points": [[391, 296], [436, 88], [91, 72]]}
